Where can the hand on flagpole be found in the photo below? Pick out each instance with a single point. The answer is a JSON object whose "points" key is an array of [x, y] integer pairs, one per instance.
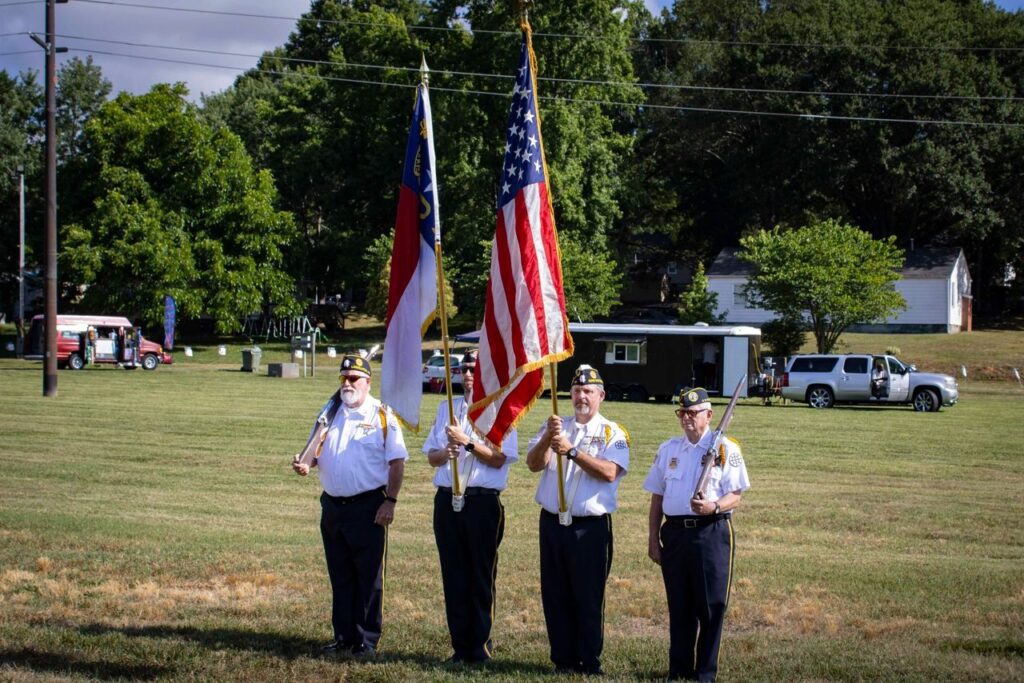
{"points": [[456, 435]]}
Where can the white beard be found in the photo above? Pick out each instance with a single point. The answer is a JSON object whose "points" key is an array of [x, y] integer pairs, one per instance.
{"points": [[349, 397], [583, 410]]}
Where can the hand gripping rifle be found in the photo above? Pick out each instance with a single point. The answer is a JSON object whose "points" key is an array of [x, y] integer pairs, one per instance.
{"points": [[716, 452], [316, 440]]}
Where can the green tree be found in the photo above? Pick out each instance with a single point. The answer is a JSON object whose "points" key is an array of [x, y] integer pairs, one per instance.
{"points": [[81, 91], [166, 205], [784, 336], [21, 99], [697, 304], [834, 274], [335, 146], [590, 278], [936, 184]]}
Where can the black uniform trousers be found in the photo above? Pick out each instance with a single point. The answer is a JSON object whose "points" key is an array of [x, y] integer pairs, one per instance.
{"points": [[356, 550], [467, 543], [574, 565], [696, 564]]}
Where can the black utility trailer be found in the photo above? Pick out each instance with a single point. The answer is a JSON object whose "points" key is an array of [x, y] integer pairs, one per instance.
{"points": [[641, 361]]}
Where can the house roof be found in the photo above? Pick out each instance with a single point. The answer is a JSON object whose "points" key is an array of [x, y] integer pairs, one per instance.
{"points": [[729, 264], [921, 263]]}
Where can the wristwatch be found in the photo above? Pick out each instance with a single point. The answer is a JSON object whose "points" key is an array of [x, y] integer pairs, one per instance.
{"points": [[470, 447], [571, 453], [718, 508]]}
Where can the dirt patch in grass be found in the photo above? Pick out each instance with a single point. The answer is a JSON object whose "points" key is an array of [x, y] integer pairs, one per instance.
{"points": [[60, 595]]}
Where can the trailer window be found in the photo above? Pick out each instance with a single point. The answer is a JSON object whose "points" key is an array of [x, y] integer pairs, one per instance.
{"points": [[626, 353]]}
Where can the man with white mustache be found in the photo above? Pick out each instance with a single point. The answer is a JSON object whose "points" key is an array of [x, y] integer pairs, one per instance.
{"points": [[361, 467], [575, 560]]}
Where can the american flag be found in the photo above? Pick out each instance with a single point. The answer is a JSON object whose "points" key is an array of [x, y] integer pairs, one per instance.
{"points": [[525, 328]]}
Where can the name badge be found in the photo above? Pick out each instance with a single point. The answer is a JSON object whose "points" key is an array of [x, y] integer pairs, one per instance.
{"points": [[673, 463]]}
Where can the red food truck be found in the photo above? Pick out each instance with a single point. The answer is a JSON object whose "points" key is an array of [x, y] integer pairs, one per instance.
{"points": [[85, 339]]}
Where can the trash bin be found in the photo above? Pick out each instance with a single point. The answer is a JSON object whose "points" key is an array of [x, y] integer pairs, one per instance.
{"points": [[251, 359]]}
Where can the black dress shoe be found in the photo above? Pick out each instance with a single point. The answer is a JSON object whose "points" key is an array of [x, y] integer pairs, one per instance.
{"points": [[455, 659], [335, 648], [362, 650]]}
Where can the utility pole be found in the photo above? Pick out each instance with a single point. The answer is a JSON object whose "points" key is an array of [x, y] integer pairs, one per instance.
{"points": [[50, 348], [21, 260]]}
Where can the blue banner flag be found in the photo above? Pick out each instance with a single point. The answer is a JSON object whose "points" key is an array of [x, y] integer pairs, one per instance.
{"points": [[169, 313]]}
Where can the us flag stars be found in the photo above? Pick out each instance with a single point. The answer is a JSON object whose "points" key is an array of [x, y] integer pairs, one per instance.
{"points": [[522, 164]]}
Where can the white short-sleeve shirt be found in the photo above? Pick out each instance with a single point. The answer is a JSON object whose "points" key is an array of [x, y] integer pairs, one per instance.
{"points": [[356, 454], [480, 474], [600, 438], [676, 470]]}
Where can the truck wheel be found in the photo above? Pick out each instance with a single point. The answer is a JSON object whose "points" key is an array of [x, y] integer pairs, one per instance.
{"points": [[75, 362], [150, 361], [636, 394], [613, 392], [926, 401], [820, 397]]}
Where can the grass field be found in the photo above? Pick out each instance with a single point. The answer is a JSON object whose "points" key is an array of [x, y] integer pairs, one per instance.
{"points": [[150, 528]]}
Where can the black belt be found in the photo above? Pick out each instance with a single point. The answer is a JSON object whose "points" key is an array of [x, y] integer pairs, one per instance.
{"points": [[574, 517], [693, 521], [345, 500], [472, 491]]}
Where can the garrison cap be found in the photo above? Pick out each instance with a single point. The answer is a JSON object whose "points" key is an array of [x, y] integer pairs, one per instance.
{"points": [[692, 397], [587, 375], [469, 358], [354, 364]]}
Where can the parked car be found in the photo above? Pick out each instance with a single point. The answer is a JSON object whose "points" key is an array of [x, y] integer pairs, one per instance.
{"points": [[825, 380], [433, 372], [85, 339]]}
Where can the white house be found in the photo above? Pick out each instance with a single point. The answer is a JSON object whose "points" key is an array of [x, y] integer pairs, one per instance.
{"points": [[935, 282]]}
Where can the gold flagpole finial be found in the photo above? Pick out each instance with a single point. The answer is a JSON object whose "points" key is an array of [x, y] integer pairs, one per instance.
{"points": [[524, 19], [424, 70]]}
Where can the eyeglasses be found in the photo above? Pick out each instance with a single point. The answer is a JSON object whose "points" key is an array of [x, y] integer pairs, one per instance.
{"points": [[351, 379], [468, 369], [692, 414]]}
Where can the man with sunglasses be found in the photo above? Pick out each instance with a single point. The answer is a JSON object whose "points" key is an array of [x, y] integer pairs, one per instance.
{"points": [[468, 539], [361, 466], [695, 548]]}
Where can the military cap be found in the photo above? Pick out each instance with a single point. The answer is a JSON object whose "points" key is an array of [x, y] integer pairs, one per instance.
{"points": [[354, 364], [469, 358], [587, 375], [692, 397]]}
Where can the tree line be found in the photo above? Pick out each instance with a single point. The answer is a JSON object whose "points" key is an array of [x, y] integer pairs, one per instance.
{"points": [[667, 138]]}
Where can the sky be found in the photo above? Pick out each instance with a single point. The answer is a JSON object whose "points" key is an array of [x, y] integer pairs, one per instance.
{"points": [[114, 20]]}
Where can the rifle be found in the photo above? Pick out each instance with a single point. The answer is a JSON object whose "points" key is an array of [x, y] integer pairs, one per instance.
{"points": [[717, 447], [315, 444]]}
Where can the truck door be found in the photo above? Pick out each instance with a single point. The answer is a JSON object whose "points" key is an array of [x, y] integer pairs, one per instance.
{"points": [[854, 380], [899, 380]]}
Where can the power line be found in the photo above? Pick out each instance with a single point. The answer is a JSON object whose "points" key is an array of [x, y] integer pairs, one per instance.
{"points": [[577, 36], [24, 2], [21, 52], [668, 86], [634, 105]]}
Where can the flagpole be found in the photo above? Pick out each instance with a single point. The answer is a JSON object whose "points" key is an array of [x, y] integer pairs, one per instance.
{"points": [[442, 309], [524, 24]]}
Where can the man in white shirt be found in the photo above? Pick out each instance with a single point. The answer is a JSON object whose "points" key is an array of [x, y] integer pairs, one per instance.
{"points": [[575, 559], [468, 539], [695, 548], [361, 467]]}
